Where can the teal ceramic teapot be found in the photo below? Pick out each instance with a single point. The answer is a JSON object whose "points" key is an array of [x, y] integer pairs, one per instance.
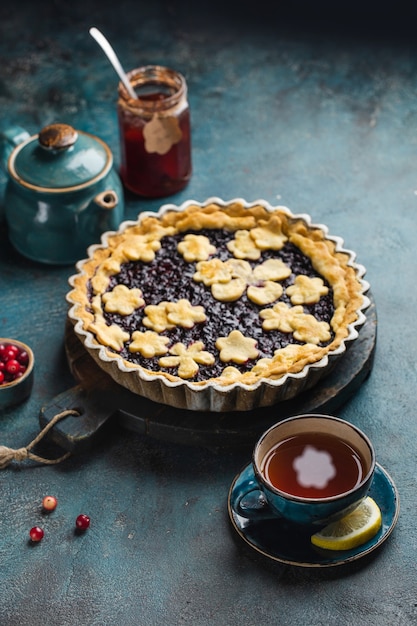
{"points": [[62, 192]]}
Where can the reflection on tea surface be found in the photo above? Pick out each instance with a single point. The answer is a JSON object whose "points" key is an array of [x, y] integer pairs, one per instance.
{"points": [[313, 465]]}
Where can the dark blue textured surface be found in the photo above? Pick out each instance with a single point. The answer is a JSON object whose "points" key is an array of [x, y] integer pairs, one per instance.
{"points": [[318, 118]]}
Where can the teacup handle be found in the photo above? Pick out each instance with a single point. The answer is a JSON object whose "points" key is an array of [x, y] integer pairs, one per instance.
{"points": [[248, 500]]}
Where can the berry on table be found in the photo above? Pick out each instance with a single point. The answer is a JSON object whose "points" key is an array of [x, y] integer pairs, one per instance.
{"points": [[36, 534], [49, 503], [82, 522]]}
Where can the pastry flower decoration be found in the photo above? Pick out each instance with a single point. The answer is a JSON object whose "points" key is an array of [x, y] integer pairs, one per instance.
{"points": [[167, 315], [213, 271], [293, 319], [230, 279], [140, 248], [268, 235], [187, 359], [183, 313], [122, 300], [196, 248], [148, 343], [112, 336], [306, 290], [100, 280], [237, 348], [248, 244], [135, 247], [156, 317], [243, 246]]}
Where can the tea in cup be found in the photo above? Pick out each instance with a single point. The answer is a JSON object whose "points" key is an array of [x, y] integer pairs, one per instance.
{"points": [[309, 469]]}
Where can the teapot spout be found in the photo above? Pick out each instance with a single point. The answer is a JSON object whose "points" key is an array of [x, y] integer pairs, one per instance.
{"points": [[107, 199]]}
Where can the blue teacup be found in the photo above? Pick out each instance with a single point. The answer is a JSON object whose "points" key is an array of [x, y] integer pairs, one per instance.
{"points": [[310, 470]]}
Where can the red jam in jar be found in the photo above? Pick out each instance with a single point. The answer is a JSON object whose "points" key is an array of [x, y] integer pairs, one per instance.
{"points": [[155, 135]]}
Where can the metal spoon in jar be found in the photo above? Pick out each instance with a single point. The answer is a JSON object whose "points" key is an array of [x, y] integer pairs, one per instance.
{"points": [[111, 55]]}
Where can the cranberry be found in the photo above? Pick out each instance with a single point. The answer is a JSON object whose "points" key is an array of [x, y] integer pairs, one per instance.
{"points": [[1, 377], [13, 362], [23, 358], [49, 503], [12, 366], [11, 352], [36, 533], [82, 522]]}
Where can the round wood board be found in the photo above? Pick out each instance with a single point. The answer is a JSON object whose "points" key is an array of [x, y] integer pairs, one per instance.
{"points": [[99, 399]]}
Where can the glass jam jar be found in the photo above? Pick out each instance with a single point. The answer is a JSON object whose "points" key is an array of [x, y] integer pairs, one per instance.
{"points": [[155, 134]]}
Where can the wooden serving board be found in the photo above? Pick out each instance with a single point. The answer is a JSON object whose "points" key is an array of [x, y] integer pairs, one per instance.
{"points": [[99, 399]]}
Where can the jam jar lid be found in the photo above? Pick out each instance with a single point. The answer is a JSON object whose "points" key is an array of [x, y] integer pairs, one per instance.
{"points": [[60, 158]]}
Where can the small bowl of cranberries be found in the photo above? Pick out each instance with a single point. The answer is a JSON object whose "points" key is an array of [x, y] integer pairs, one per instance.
{"points": [[16, 372]]}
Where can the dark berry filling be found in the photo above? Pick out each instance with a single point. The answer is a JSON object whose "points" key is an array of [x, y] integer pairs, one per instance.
{"points": [[169, 278]]}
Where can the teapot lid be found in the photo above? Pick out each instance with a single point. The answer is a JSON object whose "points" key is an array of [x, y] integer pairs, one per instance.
{"points": [[60, 158]]}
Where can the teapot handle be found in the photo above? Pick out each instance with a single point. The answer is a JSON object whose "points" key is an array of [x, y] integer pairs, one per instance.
{"points": [[9, 139]]}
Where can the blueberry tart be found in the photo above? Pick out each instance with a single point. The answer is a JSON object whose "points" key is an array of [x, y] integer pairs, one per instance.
{"points": [[219, 305]]}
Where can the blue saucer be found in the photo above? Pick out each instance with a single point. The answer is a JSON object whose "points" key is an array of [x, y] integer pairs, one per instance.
{"points": [[280, 541]]}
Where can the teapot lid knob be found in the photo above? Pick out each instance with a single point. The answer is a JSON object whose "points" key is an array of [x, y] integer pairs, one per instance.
{"points": [[57, 136]]}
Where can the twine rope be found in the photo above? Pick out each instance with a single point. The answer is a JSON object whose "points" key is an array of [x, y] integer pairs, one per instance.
{"points": [[7, 455]]}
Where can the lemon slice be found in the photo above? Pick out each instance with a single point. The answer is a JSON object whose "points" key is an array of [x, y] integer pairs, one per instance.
{"points": [[352, 530]]}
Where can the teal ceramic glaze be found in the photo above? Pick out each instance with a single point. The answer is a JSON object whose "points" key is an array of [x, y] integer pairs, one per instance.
{"points": [[9, 139], [256, 499], [62, 192]]}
